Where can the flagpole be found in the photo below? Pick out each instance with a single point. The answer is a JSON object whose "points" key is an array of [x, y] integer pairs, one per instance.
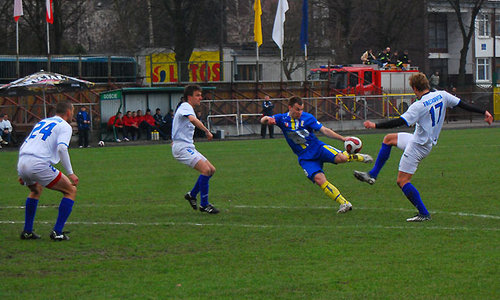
{"points": [[48, 48], [48, 40], [17, 49], [305, 62], [257, 63]]}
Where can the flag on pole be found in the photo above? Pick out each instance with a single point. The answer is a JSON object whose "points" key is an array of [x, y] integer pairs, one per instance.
{"points": [[304, 26], [50, 13], [18, 9], [279, 22], [257, 25]]}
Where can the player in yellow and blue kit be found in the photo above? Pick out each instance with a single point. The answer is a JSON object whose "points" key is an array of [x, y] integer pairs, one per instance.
{"points": [[298, 128]]}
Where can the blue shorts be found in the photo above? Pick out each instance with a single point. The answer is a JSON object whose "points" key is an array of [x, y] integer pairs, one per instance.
{"points": [[314, 164]]}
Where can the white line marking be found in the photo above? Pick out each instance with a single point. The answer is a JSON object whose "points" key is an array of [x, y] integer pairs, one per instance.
{"points": [[263, 225], [461, 214]]}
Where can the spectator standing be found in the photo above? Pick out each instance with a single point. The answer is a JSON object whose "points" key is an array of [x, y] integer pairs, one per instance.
{"points": [[434, 80], [6, 130], [267, 110], [83, 121]]}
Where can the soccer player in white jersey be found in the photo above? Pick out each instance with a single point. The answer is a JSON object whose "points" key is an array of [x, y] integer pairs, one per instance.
{"points": [[45, 146], [185, 152], [428, 113]]}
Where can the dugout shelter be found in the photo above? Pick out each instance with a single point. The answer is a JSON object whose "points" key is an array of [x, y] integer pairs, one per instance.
{"points": [[136, 98]]}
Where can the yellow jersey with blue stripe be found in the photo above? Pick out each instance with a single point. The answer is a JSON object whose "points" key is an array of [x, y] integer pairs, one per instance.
{"points": [[299, 133]]}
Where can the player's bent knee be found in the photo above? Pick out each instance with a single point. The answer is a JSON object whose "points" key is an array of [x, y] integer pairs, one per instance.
{"points": [[391, 139]]}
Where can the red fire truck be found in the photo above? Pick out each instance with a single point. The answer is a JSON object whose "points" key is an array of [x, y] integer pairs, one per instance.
{"points": [[365, 80]]}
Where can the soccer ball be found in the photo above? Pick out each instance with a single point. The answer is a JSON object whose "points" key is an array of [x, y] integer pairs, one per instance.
{"points": [[100, 143], [353, 144]]}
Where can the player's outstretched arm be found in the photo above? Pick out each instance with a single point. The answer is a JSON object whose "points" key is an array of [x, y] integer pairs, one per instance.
{"points": [[331, 134], [268, 120], [194, 120], [385, 124], [488, 118], [369, 124]]}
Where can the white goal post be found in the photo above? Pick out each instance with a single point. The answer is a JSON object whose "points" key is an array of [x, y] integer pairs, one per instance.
{"points": [[235, 116]]}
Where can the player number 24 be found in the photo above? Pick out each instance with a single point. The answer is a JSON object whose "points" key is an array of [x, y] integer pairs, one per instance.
{"points": [[46, 131], [433, 114]]}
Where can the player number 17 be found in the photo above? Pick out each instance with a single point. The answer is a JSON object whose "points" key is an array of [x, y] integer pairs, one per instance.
{"points": [[433, 114]]}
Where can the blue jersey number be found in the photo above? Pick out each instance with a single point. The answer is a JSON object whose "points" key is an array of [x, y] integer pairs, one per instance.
{"points": [[433, 113], [46, 131]]}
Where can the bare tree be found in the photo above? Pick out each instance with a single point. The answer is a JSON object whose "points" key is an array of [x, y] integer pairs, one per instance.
{"points": [[240, 17], [186, 17], [292, 50], [67, 14], [347, 21], [131, 26], [467, 31]]}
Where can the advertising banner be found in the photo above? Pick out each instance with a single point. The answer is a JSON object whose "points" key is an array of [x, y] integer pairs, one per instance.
{"points": [[204, 66]]}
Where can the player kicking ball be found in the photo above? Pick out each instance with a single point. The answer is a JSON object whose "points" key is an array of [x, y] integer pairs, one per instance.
{"points": [[185, 152], [428, 113], [298, 128], [46, 145]]}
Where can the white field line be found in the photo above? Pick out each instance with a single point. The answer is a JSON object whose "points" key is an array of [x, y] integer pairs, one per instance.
{"points": [[264, 225], [461, 214]]}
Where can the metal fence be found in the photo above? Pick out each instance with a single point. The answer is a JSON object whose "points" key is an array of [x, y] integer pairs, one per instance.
{"points": [[242, 116]]}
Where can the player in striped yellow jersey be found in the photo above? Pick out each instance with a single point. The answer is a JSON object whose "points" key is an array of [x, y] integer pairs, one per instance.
{"points": [[298, 128]]}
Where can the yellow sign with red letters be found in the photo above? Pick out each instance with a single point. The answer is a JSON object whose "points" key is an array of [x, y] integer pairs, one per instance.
{"points": [[204, 66]]}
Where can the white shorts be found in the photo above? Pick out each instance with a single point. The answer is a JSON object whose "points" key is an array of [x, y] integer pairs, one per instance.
{"points": [[187, 154], [34, 170], [413, 152]]}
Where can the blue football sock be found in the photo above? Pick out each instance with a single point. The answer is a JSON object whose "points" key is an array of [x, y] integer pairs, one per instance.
{"points": [[65, 209], [204, 190], [414, 196], [196, 187], [382, 157], [29, 214]]}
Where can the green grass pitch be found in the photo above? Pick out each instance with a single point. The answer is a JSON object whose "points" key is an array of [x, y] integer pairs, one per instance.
{"points": [[133, 236]]}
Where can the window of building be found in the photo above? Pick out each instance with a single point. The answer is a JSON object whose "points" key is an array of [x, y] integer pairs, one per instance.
{"points": [[483, 25], [497, 25], [483, 69], [438, 33], [247, 72]]}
